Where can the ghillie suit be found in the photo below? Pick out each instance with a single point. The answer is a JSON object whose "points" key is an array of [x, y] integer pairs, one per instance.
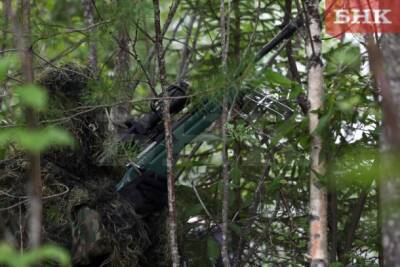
{"points": [[81, 210]]}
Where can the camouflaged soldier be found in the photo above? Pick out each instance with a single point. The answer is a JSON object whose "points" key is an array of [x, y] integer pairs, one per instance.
{"points": [[85, 215], [94, 207]]}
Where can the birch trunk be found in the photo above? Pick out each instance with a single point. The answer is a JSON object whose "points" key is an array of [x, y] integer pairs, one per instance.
{"points": [[318, 197]]}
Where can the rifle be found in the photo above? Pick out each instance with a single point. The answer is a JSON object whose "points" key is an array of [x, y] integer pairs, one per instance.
{"points": [[144, 182]]}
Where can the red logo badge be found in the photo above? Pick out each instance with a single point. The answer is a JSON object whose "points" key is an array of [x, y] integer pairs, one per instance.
{"points": [[362, 16]]}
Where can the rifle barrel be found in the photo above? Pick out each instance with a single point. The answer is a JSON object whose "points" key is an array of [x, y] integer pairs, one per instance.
{"points": [[285, 33], [154, 156]]}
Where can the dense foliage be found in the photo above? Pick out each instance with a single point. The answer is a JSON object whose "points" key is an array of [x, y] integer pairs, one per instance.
{"points": [[269, 142]]}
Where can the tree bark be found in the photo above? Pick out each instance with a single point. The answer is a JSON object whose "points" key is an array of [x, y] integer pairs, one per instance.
{"points": [[333, 220], [121, 68], [22, 40], [375, 92], [6, 12], [388, 82], [237, 31], [318, 250], [352, 224], [224, 24], [173, 238]]}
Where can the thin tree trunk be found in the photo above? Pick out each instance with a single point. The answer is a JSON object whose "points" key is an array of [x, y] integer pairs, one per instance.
{"points": [[173, 238], [379, 224], [333, 220], [89, 20], [186, 51], [6, 12], [22, 40], [122, 58], [294, 73], [376, 95], [352, 224], [237, 31], [224, 23], [389, 84], [237, 150], [318, 248], [151, 53], [192, 52]]}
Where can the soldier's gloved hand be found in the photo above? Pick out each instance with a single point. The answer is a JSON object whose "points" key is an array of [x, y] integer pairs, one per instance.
{"points": [[89, 238], [147, 193], [135, 127]]}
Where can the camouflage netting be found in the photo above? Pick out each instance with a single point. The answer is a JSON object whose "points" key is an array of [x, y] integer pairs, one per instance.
{"points": [[81, 210]]}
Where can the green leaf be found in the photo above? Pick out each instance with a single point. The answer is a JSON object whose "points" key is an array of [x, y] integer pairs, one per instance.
{"points": [[280, 238], [32, 96], [274, 185], [42, 139], [5, 64], [304, 141], [206, 137], [236, 174], [358, 165], [348, 104], [13, 258], [192, 210], [213, 250], [295, 92], [36, 140], [335, 264], [235, 228], [7, 254], [284, 129], [344, 57], [323, 123], [277, 78], [5, 136], [46, 252]]}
